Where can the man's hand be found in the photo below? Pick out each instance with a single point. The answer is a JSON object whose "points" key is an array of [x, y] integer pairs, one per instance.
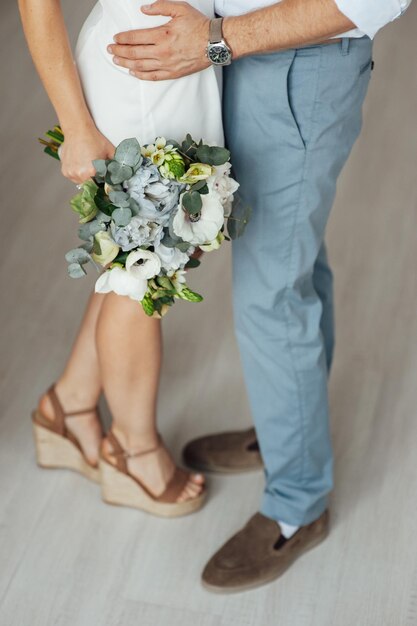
{"points": [[176, 49]]}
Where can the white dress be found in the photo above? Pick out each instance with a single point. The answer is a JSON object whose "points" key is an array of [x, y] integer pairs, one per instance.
{"points": [[123, 106]]}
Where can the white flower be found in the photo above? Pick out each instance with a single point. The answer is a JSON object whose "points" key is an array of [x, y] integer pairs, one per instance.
{"points": [[171, 258], [105, 249], [208, 224], [143, 264], [213, 245], [123, 283], [178, 279], [223, 183]]}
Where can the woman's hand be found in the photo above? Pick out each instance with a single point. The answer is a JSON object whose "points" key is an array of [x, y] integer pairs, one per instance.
{"points": [[79, 150]]}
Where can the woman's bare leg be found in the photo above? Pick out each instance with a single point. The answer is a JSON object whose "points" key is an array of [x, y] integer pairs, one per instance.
{"points": [[79, 386], [129, 347]]}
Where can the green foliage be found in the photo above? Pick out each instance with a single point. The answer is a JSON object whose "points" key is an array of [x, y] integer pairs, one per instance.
{"points": [[212, 155], [192, 202], [118, 173], [121, 217], [190, 296], [103, 203], [119, 198], [84, 202], [192, 264], [238, 219], [77, 255], [75, 270], [128, 153], [148, 304]]}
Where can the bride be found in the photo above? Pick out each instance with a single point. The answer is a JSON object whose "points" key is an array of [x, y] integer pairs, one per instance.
{"points": [[118, 348]]}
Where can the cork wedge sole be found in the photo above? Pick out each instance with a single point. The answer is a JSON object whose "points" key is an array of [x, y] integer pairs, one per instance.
{"points": [[56, 452], [120, 489]]}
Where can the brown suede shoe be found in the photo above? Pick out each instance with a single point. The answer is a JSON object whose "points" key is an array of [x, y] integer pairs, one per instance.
{"points": [[226, 453], [259, 553]]}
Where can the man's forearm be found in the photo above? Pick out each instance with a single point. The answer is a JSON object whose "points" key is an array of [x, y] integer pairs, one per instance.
{"points": [[288, 24]]}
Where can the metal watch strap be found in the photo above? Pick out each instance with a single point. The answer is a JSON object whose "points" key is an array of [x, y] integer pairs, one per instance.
{"points": [[216, 30]]}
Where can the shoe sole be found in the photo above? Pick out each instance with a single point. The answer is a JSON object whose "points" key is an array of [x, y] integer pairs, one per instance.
{"points": [[56, 452], [267, 579], [121, 490]]}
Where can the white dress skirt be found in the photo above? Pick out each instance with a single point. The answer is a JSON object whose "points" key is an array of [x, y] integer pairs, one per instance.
{"points": [[124, 106]]}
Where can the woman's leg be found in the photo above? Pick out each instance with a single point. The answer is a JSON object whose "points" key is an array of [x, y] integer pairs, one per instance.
{"points": [[129, 347], [79, 386]]}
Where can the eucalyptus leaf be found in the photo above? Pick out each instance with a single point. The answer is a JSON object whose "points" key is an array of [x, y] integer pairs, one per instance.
{"points": [[103, 217], [212, 155], [119, 198], [192, 202], [201, 186], [77, 255], [119, 172], [134, 206], [121, 216], [84, 232], [128, 152], [100, 167], [75, 270], [238, 219]]}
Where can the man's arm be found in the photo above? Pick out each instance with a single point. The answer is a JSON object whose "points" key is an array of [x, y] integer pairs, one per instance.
{"points": [[179, 47]]}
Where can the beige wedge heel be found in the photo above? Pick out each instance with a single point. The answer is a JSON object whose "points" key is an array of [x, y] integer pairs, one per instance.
{"points": [[56, 446], [119, 487]]}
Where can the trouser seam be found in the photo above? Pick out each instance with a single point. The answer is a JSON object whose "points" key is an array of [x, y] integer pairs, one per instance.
{"points": [[290, 275]]}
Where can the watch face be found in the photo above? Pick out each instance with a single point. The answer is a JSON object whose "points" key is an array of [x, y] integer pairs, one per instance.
{"points": [[219, 54]]}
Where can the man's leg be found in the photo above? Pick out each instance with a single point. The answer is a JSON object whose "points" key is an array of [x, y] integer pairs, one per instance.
{"points": [[323, 285], [291, 120]]}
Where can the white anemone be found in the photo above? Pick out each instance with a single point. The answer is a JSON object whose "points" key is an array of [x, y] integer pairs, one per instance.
{"points": [[123, 283], [171, 258], [143, 264], [208, 224]]}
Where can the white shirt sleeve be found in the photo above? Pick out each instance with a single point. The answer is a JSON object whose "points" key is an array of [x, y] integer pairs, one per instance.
{"points": [[371, 15]]}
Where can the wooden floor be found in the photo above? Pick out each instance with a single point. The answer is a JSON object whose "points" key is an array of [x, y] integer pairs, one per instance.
{"points": [[66, 559]]}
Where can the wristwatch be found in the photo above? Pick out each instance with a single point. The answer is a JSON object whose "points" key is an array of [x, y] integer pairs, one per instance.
{"points": [[218, 52]]}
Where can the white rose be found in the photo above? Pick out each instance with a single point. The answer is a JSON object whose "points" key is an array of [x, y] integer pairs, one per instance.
{"points": [[171, 258], [105, 249], [222, 183], [143, 264], [123, 283], [207, 227]]}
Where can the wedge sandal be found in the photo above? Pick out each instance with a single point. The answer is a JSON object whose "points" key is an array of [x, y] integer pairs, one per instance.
{"points": [[56, 446], [119, 487]]}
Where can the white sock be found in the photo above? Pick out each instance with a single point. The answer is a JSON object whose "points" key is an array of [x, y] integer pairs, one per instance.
{"points": [[287, 530]]}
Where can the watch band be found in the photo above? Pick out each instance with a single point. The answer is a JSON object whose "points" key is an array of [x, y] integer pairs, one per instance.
{"points": [[216, 30]]}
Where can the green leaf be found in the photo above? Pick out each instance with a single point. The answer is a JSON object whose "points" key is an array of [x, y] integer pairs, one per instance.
{"points": [[238, 219], [48, 150], [148, 304], [201, 187], [134, 207], [121, 258], [128, 152], [103, 203], [77, 255], [121, 217], [118, 173], [190, 296], [192, 264], [192, 202], [212, 155], [164, 282], [119, 198], [75, 270], [100, 167]]}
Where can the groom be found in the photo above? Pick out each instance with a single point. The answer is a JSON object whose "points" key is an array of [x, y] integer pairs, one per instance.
{"points": [[296, 78]]}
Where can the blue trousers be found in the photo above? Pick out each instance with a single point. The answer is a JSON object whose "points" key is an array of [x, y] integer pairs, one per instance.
{"points": [[291, 119]]}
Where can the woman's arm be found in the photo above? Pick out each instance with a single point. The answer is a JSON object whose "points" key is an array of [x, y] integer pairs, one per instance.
{"points": [[48, 42]]}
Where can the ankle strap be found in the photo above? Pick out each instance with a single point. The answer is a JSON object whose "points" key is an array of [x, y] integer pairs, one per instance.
{"points": [[121, 454]]}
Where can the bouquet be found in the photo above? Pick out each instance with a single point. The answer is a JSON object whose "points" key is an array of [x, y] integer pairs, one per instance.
{"points": [[147, 211]]}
